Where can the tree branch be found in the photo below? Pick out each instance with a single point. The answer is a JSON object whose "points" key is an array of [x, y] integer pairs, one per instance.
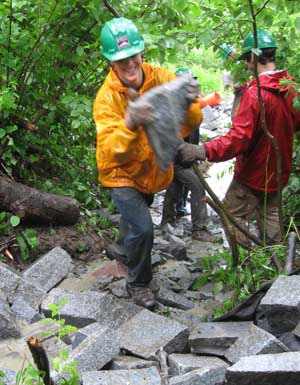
{"points": [[261, 8], [146, 8], [8, 43], [23, 72], [230, 236], [264, 124], [221, 206], [110, 8]]}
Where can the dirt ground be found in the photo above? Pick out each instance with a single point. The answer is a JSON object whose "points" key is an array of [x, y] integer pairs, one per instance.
{"points": [[82, 242]]}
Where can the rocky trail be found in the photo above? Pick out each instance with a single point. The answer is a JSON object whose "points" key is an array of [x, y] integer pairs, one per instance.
{"points": [[119, 343]]}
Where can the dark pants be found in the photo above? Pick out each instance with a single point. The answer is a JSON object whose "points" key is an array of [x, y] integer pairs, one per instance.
{"points": [[187, 177], [136, 232]]}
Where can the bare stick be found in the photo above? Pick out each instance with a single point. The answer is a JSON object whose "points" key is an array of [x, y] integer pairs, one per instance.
{"points": [[221, 206], [162, 357], [230, 236], [40, 359], [264, 124], [291, 252]]}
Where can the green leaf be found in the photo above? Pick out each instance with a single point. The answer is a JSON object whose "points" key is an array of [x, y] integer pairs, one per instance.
{"points": [[268, 20], [80, 51], [297, 23], [296, 103], [56, 364], [64, 355], [23, 247], [2, 133], [14, 220]]}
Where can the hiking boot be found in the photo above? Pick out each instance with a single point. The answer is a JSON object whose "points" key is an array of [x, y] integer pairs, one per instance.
{"points": [[205, 236], [142, 296], [114, 251]]}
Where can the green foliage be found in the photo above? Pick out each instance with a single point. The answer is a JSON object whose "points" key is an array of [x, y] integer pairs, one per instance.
{"points": [[29, 376], [27, 239], [68, 370], [291, 202], [253, 271], [55, 317]]}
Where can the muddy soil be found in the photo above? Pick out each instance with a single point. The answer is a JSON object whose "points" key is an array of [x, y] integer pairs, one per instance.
{"points": [[83, 242]]}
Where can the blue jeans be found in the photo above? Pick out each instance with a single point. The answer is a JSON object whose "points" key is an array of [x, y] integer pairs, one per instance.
{"points": [[136, 232]]}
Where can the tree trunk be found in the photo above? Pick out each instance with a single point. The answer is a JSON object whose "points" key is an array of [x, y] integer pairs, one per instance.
{"points": [[37, 206]]}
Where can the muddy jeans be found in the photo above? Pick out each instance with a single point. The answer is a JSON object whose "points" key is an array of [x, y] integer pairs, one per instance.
{"points": [[245, 205], [136, 232], [187, 177]]}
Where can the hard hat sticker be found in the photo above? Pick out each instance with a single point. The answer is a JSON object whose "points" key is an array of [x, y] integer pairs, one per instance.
{"points": [[122, 42]]}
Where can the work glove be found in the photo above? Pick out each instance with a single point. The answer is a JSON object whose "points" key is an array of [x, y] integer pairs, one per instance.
{"points": [[188, 153], [137, 113]]}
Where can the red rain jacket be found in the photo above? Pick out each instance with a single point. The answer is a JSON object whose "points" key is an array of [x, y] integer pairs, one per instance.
{"points": [[255, 164]]}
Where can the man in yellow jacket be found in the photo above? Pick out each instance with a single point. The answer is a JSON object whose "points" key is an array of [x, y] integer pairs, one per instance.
{"points": [[125, 159]]}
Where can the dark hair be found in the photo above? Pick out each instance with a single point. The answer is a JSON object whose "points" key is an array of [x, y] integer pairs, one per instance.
{"points": [[267, 56]]}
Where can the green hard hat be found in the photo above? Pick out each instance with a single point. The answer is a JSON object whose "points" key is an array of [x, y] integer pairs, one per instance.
{"points": [[264, 40], [226, 50], [185, 70], [120, 39]]}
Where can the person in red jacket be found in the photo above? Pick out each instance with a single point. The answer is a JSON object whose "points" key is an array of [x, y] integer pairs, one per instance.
{"points": [[254, 186]]}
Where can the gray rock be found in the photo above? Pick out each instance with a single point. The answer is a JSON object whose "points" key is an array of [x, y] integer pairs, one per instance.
{"points": [[131, 362], [49, 269], [177, 249], [202, 376], [170, 103], [24, 311], [291, 341], [156, 259], [169, 298], [3, 297], [9, 377], [118, 313], [96, 350], [209, 114], [281, 305], [146, 332], [118, 288], [53, 346], [30, 293], [42, 330], [85, 332], [255, 341], [9, 281], [8, 324], [216, 337], [176, 271], [13, 285], [81, 308], [268, 369], [296, 331], [183, 317], [148, 376], [183, 363]]}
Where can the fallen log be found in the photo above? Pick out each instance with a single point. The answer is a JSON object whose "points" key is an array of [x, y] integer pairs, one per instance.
{"points": [[37, 206]]}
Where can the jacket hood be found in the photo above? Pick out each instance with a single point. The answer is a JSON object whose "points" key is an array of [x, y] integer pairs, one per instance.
{"points": [[270, 81]]}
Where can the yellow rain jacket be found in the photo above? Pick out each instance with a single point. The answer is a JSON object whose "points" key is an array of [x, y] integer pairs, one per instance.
{"points": [[124, 157]]}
